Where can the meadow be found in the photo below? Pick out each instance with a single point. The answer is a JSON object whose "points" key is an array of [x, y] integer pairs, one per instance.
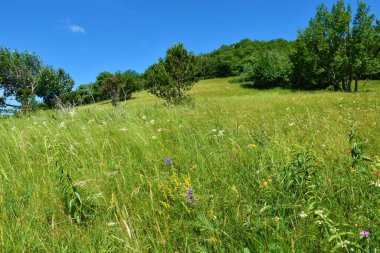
{"points": [[236, 170]]}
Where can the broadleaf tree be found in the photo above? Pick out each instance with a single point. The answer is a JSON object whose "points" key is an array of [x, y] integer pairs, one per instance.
{"points": [[112, 86], [364, 45], [18, 74], [53, 85]]}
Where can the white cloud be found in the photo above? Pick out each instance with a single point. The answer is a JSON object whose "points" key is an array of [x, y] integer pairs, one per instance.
{"points": [[77, 29]]}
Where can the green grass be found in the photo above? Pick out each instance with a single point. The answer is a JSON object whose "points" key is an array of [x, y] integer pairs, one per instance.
{"points": [[271, 170]]}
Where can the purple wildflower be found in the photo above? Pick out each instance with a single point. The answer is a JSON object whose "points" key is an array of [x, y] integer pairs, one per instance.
{"points": [[168, 160], [189, 195], [365, 233]]}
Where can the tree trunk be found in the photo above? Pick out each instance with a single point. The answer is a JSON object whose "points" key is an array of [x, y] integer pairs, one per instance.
{"points": [[93, 99], [113, 98], [356, 85], [349, 85]]}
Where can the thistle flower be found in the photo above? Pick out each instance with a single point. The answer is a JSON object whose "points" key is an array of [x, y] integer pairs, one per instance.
{"points": [[365, 233]]}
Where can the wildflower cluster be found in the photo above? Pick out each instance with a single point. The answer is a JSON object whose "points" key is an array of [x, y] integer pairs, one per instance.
{"points": [[191, 198], [217, 132]]}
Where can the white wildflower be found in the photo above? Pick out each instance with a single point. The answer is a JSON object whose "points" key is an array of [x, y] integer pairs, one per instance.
{"points": [[152, 122], [160, 130], [62, 125], [124, 129], [72, 113], [377, 183], [318, 212], [344, 244], [303, 215]]}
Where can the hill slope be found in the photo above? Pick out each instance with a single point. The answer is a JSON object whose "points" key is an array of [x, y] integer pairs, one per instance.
{"points": [[239, 169]]}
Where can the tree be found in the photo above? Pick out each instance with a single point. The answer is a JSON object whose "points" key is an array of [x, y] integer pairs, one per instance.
{"points": [[6, 87], [339, 37], [330, 51], [364, 61], [99, 93], [18, 74], [171, 77], [112, 85], [53, 85], [377, 45], [268, 68], [312, 57], [130, 82], [154, 76]]}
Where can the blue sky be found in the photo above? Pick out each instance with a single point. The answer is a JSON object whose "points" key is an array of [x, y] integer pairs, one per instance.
{"points": [[86, 37]]}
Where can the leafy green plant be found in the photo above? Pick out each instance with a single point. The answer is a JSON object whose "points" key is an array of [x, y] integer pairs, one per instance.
{"points": [[356, 149], [299, 174], [79, 211]]}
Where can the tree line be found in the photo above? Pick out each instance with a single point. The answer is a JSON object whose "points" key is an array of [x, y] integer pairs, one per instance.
{"points": [[335, 50], [24, 77]]}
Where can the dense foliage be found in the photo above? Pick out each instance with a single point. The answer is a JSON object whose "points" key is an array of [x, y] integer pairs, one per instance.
{"points": [[232, 60], [171, 77], [24, 76], [336, 48], [18, 74], [268, 68], [53, 85], [114, 86]]}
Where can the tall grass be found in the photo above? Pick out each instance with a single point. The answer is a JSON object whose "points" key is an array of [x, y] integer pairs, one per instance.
{"points": [[271, 171]]}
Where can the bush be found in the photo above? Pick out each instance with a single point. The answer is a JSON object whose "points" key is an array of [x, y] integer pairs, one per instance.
{"points": [[268, 69]]}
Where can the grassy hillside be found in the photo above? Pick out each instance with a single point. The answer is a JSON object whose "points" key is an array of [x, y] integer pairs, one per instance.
{"points": [[240, 170]]}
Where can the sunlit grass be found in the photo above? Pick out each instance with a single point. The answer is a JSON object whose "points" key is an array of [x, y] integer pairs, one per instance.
{"points": [[236, 148]]}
